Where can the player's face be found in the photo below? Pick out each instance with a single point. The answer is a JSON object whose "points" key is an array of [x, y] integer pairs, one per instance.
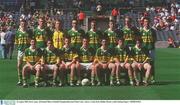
{"points": [[66, 41], [138, 43], [49, 45], [111, 25], [74, 24], [104, 42], [57, 25], [145, 23], [22, 24], [127, 22], [41, 22], [120, 42], [93, 25], [33, 43], [85, 42]]}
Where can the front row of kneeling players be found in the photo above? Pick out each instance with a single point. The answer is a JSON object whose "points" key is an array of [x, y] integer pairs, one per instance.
{"points": [[60, 62]]}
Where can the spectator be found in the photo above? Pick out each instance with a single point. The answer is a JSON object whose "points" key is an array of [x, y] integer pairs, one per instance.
{"points": [[3, 42], [99, 8], [171, 43], [81, 17], [115, 13], [9, 38]]}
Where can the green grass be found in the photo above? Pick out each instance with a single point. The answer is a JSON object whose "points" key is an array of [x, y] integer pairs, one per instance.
{"points": [[167, 76]]}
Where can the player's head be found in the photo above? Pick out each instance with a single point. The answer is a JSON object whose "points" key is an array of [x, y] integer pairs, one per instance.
{"points": [[50, 44], [104, 41], [138, 42], [41, 22], [120, 41], [127, 20], [93, 24], [67, 40], [74, 23], [23, 24], [58, 24], [85, 41], [33, 43], [146, 22], [111, 24]]}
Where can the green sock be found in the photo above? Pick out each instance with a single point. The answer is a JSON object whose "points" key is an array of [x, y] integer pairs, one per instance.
{"points": [[20, 77], [111, 78], [36, 79]]}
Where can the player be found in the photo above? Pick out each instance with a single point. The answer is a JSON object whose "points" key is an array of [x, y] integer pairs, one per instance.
{"points": [[22, 39], [123, 61], [32, 58], [141, 62], [103, 62], [93, 35], [52, 61], [86, 54], [72, 62], [58, 35]]}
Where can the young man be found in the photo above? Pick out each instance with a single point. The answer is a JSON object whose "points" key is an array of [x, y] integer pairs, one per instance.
{"points": [[93, 36], [103, 62], [52, 61], [75, 35], [148, 37], [129, 33], [111, 34], [122, 61], [22, 42], [58, 35], [71, 60], [141, 62], [40, 34], [86, 55], [32, 58]]}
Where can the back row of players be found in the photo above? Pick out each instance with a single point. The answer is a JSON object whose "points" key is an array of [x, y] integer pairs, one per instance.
{"points": [[130, 49]]}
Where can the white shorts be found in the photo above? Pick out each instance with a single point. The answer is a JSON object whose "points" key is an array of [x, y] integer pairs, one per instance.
{"points": [[20, 55], [50, 66], [86, 66]]}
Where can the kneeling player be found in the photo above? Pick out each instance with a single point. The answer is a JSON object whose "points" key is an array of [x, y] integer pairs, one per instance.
{"points": [[32, 57], [141, 62]]}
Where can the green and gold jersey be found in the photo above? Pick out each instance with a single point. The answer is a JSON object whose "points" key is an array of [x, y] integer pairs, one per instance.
{"points": [[148, 38], [51, 56], [75, 38], [41, 37], [129, 35], [103, 56], [86, 55], [93, 39], [69, 53], [121, 53], [22, 40], [112, 38], [32, 56], [139, 54]]}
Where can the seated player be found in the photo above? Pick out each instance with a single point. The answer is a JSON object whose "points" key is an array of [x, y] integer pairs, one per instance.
{"points": [[103, 62], [86, 54], [52, 62], [141, 62], [32, 58], [122, 61], [72, 62]]}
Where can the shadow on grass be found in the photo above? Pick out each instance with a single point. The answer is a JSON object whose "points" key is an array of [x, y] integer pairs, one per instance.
{"points": [[167, 83]]}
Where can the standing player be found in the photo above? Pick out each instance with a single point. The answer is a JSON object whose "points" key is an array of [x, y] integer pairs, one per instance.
{"points": [[129, 33], [141, 62], [93, 36], [111, 34], [122, 61], [103, 62], [22, 42], [86, 54], [40, 34], [53, 62], [75, 35], [148, 37], [71, 60], [32, 58], [58, 35]]}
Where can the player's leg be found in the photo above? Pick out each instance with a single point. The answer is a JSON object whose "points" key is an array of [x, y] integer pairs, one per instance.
{"points": [[37, 68], [135, 72], [78, 72], [72, 74], [128, 67], [19, 67], [118, 70], [93, 74], [112, 68], [98, 69], [54, 68], [147, 68], [62, 75], [25, 75]]}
